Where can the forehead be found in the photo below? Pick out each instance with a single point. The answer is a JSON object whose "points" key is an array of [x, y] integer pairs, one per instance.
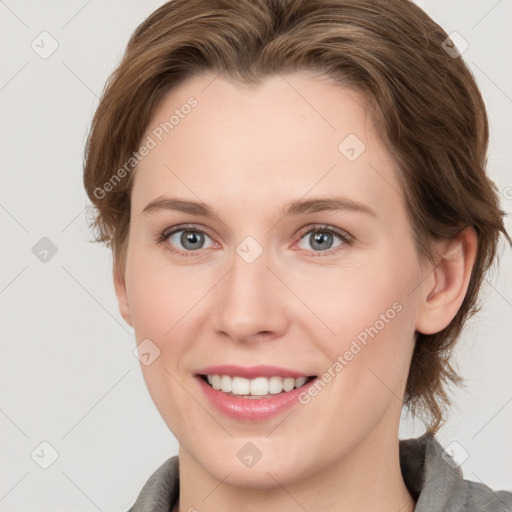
{"points": [[291, 135]]}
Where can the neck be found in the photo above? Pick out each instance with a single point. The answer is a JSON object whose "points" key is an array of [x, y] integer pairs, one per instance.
{"points": [[368, 477]]}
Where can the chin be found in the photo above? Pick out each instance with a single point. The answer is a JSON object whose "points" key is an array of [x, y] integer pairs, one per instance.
{"points": [[269, 472]]}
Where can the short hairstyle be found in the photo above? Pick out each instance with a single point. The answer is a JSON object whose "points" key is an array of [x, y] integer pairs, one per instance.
{"points": [[426, 105]]}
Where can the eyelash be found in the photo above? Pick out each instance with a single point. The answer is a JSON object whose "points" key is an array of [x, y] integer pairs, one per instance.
{"points": [[345, 238]]}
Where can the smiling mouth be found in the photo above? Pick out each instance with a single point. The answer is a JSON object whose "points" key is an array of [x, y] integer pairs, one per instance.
{"points": [[259, 387]]}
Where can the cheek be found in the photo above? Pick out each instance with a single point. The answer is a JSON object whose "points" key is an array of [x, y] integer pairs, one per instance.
{"points": [[347, 297], [352, 298], [162, 305], [371, 316], [161, 295]]}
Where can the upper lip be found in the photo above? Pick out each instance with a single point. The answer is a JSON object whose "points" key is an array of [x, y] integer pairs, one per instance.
{"points": [[251, 372]]}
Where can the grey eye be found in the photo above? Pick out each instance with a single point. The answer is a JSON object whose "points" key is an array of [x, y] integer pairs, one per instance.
{"points": [[189, 240], [321, 239]]}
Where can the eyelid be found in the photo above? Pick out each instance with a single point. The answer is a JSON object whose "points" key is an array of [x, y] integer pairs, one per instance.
{"points": [[184, 227], [344, 235], [164, 236], [346, 238]]}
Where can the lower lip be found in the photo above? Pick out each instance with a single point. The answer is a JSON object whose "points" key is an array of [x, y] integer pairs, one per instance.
{"points": [[252, 409]]}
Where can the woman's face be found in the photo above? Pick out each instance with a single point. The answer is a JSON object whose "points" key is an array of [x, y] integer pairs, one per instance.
{"points": [[316, 291]]}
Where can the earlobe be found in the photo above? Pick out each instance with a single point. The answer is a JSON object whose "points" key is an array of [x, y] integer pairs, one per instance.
{"points": [[122, 297], [451, 276]]}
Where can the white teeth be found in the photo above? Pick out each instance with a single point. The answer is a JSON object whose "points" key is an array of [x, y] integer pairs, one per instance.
{"points": [[257, 386], [288, 384], [216, 382], [275, 385], [239, 385], [226, 383], [261, 386], [300, 382]]}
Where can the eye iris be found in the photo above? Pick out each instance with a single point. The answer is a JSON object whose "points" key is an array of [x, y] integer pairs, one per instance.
{"points": [[321, 240], [191, 237], [193, 240]]}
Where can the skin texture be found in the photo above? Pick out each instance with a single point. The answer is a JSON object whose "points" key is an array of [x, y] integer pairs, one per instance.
{"points": [[247, 152]]}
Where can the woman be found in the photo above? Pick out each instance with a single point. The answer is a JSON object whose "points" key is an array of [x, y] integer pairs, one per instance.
{"points": [[296, 199]]}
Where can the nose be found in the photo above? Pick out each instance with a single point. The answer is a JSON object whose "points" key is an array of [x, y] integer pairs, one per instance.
{"points": [[251, 302]]}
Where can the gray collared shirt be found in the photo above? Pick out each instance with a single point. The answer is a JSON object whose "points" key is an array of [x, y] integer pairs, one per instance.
{"points": [[431, 475]]}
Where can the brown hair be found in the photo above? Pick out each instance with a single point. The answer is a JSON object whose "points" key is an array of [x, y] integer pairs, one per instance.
{"points": [[429, 111]]}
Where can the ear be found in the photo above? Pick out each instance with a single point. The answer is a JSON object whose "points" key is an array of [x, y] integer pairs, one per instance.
{"points": [[122, 297], [445, 289]]}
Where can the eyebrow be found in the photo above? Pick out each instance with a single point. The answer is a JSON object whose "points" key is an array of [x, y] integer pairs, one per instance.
{"points": [[296, 207]]}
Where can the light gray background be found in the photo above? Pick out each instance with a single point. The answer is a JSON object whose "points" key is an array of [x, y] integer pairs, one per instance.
{"points": [[68, 374]]}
